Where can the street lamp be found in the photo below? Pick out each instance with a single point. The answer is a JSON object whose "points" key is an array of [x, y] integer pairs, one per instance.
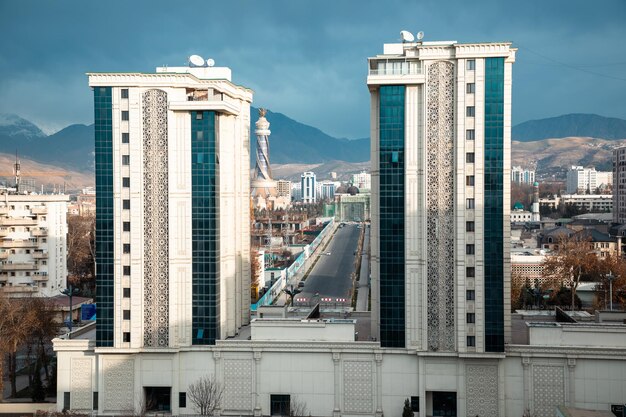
{"points": [[70, 292], [610, 277]]}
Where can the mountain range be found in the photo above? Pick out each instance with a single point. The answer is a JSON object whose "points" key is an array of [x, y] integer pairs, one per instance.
{"points": [[571, 141]]}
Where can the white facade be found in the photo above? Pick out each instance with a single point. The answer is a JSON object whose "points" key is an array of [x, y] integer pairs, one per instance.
{"points": [[309, 187], [443, 154], [521, 175], [521, 216], [582, 180], [153, 160], [362, 180], [595, 203], [327, 190], [33, 244]]}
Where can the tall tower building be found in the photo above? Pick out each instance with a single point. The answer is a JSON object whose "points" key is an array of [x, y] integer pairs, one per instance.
{"points": [[440, 131], [172, 217], [308, 185], [619, 185], [263, 185]]}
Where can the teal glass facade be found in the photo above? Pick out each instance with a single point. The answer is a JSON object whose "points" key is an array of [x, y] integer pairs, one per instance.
{"points": [[493, 204], [205, 229], [103, 118], [391, 136]]}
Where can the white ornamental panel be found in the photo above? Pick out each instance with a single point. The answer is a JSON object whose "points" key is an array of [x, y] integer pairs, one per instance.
{"points": [[440, 205], [155, 206]]}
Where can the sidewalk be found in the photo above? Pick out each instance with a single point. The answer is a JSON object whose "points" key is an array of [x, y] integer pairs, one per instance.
{"points": [[364, 275]]}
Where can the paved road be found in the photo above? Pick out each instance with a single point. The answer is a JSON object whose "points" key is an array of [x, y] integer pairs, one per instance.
{"points": [[331, 275]]}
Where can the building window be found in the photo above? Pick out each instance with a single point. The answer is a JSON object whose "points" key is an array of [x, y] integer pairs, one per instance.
{"points": [[125, 159], [126, 269], [125, 115], [66, 400], [182, 396], [125, 137], [126, 248], [470, 249], [126, 292], [126, 204], [470, 111], [126, 314], [415, 404], [470, 295], [199, 115], [469, 226], [470, 203], [471, 64], [199, 135], [126, 226], [280, 404], [470, 88], [95, 400], [469, 180], [470, 134], [470, 272], [125, 182], [124, 92], [126, 337], [471, 341], [469, 157], [471, 318]]}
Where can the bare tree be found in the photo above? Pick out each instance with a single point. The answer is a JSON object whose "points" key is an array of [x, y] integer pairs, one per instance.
{"points": [[16, 325], [206, 394], [81, 251], [298, 408]]}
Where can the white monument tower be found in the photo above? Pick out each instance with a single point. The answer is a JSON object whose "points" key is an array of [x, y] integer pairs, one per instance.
{"points": [[263, 186]]}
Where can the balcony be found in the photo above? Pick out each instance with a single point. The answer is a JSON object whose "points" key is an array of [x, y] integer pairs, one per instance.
{"points": [[4, 255], [39, 210], [19, 289], [41, 232], [4, 231], [8, 243], [18, 266], [4, 210], [18, 221], [40, 255], [40, 276]]}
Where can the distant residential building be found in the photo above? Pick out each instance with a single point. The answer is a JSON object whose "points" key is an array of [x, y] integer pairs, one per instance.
{"points": [[596, 203], [33, 249], [521, 175], [296, 191], [362, 180], [581, 180], [283, 187], [619, 185], [526, 267], [327, 190], [309, 191]]}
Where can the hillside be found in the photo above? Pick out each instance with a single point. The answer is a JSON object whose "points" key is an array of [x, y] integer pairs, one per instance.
{"points": [[570, 125], [49, 176], [549, 154]]}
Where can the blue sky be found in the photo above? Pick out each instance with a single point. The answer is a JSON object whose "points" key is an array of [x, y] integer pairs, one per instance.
{"points": [[306, 59]]}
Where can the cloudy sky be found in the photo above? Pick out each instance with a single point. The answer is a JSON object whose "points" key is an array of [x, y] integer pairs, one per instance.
{"points": [[306, 59]]}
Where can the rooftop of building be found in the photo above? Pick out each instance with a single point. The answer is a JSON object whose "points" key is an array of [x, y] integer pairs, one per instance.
{"points": [[6, 197]]}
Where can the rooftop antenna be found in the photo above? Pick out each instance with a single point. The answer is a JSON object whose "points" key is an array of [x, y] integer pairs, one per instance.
{"points": [[210, 62], [16, 171], [406, 36], [420, 36]]}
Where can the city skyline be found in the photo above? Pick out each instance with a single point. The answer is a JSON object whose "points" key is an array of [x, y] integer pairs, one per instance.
{"points": [[559, 45]]}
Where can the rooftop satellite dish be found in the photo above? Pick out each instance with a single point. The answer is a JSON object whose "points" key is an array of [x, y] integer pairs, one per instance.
{"points": [[196, 61], [420, 35], [406, 36], [210, 62]]}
